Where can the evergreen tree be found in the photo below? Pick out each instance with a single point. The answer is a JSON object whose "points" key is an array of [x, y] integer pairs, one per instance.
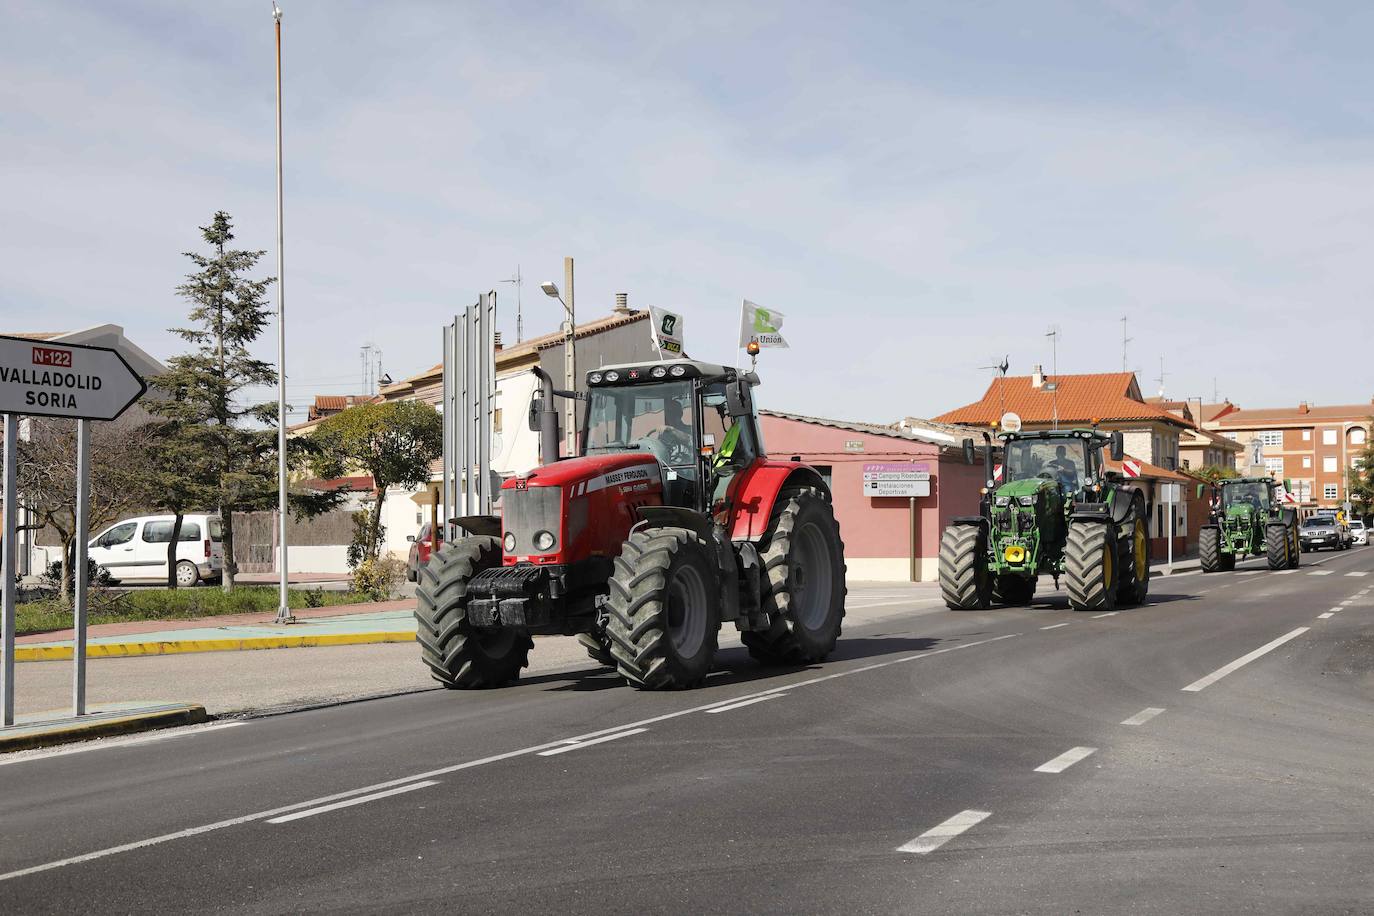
{"points": [[1360, 477]]}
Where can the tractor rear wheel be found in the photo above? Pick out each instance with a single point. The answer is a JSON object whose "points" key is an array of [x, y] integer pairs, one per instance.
{"points": [[1276, 546], [663, 616], [459, 655], [1295, 546], [804, 585], [1090, 566], [1135, 566], [964, 580], [1013, 590]]}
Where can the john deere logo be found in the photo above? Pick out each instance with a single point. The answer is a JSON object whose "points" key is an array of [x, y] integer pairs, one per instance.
{"points": [[668, 325]]}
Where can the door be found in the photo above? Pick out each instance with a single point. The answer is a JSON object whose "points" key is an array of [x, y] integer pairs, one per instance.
{"points": [[151, 548], [114, 550]]}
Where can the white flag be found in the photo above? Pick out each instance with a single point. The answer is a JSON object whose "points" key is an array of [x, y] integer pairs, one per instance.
{"points": [[760, 324], [666, 330]]}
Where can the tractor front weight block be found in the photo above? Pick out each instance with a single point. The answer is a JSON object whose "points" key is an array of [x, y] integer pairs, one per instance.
{"points": [[513, 596]]}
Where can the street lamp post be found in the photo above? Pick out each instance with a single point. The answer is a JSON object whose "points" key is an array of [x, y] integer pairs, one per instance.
{"points": [[284, 607], [569, 354]]}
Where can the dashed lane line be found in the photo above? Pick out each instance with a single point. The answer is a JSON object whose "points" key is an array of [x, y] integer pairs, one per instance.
{"points": [[1205, 682], [1357, 573], [1145, 715], [1108, 614], [1285, 572], [1321, 572], [1055, 626], [350, 802], [945, 831], [750, 702], [579, 745], [470, 764], [1324, 616], [1066, 760], [1250, 572]]}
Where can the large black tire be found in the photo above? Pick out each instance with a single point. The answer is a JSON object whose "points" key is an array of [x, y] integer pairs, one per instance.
{"points": [[1295, 546], [598, 648], [1209, 548], [1134, 550], [1090, 566], [964, 580], [459, 655], [1013, 590], [1276, 546], [663, 616], [804, 582]]}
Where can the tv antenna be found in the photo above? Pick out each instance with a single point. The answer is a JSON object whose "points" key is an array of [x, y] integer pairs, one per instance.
{"points": [[1002, 385], [1053, 335], [1162, 377], [1124, 341], [519, 317]]}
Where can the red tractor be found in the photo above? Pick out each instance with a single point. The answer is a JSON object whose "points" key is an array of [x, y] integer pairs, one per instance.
{"points": [[670, 523]]}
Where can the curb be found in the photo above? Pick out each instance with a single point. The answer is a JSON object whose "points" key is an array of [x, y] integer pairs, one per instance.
{"points": [[177, 646], [98, 725]]}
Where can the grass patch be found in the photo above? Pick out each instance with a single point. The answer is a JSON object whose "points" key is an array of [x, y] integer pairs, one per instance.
{"points": [[46, 614]]}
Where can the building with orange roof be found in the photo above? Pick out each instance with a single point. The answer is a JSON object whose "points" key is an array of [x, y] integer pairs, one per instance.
{"points": [[1313, 447], [1197, 447]]}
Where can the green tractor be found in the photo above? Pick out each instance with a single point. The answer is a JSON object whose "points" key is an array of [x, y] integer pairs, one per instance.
{"points": [[1247, 520], [1051, 510]]}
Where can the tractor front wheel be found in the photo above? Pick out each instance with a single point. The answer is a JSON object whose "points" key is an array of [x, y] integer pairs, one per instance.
{"points": [[1213, 558], [1277, 543], [964, 580], [804, 585], [1090, 566], [459, 655], [663, 616]]}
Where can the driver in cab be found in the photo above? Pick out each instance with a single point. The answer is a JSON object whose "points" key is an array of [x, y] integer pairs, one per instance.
{"points": [[1064, 468], [675, 434]]}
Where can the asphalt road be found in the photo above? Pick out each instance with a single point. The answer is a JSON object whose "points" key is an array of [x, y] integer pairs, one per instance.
{"points": [[1210, 752]]}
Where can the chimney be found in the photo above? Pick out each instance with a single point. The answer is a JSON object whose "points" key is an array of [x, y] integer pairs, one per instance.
{"points": [[622, 304], [1038, 378], [1303, 407], [498, 341]]}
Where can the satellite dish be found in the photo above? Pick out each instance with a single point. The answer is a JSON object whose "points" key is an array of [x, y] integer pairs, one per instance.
{"points": [[1011, 422]]}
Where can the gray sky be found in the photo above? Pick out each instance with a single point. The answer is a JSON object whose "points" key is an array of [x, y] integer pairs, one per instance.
{"points": [[921, 188]]}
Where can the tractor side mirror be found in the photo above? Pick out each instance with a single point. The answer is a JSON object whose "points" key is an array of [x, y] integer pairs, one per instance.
{"points": [[739, 399], [1117, 448], [969, 454], [1200, 488], [536, 407], [1288, 485]]}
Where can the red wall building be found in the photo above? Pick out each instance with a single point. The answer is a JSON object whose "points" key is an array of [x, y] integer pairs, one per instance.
{"points": [[877, 530]]}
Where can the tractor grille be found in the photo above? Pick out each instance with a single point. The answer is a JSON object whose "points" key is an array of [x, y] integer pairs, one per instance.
{"points": [[526, 511]]}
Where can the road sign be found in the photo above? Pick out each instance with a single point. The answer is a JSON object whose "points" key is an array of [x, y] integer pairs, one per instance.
{"points": [[1169, 493], [73, 381], [1131, 467], [897, 479]]}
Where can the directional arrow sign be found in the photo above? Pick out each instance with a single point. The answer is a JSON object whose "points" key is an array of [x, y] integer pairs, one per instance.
{"points": [[46, 379]]}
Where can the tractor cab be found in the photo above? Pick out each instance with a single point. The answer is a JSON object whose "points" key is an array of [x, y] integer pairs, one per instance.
{"points": [[696, 419], [1246, 496]]}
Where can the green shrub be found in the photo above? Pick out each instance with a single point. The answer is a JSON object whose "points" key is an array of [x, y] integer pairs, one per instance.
{"points": [[379, 579]]}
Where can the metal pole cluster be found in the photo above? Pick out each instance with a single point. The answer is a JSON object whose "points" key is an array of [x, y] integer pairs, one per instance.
{"points": [[469, 393]]}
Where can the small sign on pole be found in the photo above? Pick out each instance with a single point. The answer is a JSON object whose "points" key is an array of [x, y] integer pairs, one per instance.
{"points": [[897, 479], [1131, 467]]}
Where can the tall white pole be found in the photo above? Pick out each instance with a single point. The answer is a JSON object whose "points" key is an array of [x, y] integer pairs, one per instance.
{"points": [[83, 489], [284, 607], [7, 572], [570, 360]]}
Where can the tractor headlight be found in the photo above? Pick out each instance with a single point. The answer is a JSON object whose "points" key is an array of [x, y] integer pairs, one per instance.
{"points": [[544, 540], [1026, 500], [678, 371], [508, 542], [594, 378], [1003, 501], [659, 371], [612, 376]]}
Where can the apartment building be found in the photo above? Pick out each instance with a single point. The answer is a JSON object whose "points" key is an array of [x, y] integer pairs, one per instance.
{"points": [[1314, 447]]}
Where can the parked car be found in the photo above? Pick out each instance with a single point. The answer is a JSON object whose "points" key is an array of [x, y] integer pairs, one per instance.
{"points": [[1359, 534], [420, 546], [1324, 531], [136, 549]]}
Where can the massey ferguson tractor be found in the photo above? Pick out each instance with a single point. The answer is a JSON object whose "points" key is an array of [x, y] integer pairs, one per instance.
{"points": [[1052, 509], [1247, 520], [671, 522]]}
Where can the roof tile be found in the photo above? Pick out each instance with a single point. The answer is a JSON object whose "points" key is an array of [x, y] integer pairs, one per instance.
{"points": [[1104, 397]]}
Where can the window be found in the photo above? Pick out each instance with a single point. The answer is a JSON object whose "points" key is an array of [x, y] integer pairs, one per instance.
{"points": [[1272, 438], [1329, 464], [216, 530], [1307, 461], [119, 534], [1273, 466], [1307, 435], [161, 532], [1328, 437], [1231, 436], [1357, 436], [1329, 491]]}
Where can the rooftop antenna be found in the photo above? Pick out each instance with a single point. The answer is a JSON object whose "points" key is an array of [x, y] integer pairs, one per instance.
{"points": [[1124, 341], [1162, 377], [1053, 335], [1216, 398], [1002, 386], [519, 317]]}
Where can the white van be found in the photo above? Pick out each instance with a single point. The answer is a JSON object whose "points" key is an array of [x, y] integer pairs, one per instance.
{"points": [[136, 548]]}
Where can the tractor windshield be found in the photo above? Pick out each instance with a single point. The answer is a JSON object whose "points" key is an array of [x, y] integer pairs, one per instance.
{"points": [[1252, 494], [654, 418], [1059, 460]]}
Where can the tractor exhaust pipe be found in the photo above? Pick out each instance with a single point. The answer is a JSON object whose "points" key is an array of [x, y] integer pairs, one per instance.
{"points": [[987, 460], [544, 416]]}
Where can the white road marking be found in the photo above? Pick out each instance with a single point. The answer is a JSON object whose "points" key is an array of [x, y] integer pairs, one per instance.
{"points": [[1055, 626], [743, 703], [111, 743], [941, 834], [1066, 760], [563, 749], [1324, 616], [1145, 715], [1209, 680], [467, 765], [1348, 601], [1108, 614], [1285, 572], [1320, 572], [1249, 572], [1336, 609], [349, 802], [1357, 573]]}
